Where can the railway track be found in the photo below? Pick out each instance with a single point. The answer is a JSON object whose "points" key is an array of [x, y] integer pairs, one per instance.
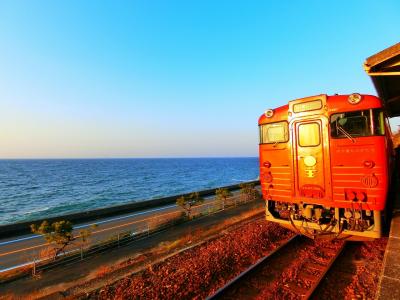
{"points": [[292, 271]]}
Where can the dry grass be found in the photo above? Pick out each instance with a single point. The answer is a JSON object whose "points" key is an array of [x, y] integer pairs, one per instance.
{"points": [[161, 220], [169, 246], [47, 253], [103, 271]]}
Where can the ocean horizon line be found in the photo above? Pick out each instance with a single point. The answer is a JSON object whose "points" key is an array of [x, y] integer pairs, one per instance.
{"points": [[128, 157]]}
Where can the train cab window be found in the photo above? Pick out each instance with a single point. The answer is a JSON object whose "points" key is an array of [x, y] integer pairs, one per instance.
{"points": [[274, 133], [309, 135], [357, 124]]}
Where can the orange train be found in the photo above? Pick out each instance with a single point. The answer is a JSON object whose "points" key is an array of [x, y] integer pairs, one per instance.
{"points": [[326, 164]]}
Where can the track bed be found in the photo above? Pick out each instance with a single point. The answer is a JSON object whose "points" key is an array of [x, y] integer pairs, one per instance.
{"points": [[291, 272]]}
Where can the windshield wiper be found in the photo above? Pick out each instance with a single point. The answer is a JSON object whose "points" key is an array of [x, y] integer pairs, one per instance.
{"points": [[346, 134]]}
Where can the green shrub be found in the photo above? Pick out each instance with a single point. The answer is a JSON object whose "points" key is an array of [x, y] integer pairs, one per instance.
{"points": [[222, 195], [57, 233], [186, 202], [248, 192]]}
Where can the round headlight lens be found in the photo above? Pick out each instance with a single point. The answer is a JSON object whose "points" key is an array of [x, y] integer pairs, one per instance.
{"points": [[354, 98], [310, 161], [369, 164], [267, 164], [269, 113]]}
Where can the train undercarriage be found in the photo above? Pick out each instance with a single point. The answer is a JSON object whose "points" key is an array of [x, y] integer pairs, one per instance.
{"points": [[320, 221]]}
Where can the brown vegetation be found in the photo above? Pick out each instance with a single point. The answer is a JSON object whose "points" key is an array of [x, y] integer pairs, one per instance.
{"points": [[102, 271], [201, 270]]}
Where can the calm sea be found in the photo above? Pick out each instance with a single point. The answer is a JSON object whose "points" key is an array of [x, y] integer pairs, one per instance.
{"points": [[32, 189]]}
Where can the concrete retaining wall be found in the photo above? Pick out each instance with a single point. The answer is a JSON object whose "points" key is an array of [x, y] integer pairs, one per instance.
{"points": [[91, 215]]}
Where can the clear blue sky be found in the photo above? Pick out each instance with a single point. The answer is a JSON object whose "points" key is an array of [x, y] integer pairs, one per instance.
{"points": [[173, 78]]}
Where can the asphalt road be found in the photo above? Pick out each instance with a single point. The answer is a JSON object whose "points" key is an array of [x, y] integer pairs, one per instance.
{"points": [[23, 250]]}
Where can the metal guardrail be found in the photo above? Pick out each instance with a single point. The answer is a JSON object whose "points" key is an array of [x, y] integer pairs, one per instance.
{"points": [[80, 254], [133, 231]]}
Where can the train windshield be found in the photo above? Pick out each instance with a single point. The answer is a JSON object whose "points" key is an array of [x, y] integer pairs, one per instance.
{"points": [[274, 133], [357, 124]]}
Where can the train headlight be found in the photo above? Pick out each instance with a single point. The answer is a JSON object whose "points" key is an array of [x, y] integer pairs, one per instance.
{"points": [[369, 164], [354, 98], [267, 164], [269, 113], [310, 161]]}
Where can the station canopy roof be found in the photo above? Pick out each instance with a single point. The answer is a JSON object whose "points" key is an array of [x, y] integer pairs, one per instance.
{"points": [[384, 70]]}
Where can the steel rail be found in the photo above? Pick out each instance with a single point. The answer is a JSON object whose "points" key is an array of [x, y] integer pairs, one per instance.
{"points": [[250, 269], [323, 273], [303, 293]]}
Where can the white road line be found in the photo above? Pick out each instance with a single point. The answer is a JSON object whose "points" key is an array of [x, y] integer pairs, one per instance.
{"points": [[97, 223]]}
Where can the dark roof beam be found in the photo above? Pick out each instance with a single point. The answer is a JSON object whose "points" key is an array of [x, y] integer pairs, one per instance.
{"points": [[384, 71]]}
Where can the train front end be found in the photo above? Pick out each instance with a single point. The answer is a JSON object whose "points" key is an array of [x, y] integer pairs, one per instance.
{"points": [[325, 165]]}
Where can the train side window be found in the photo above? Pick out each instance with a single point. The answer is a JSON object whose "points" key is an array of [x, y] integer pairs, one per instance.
{"points": [[274, 133], [309, 135]]}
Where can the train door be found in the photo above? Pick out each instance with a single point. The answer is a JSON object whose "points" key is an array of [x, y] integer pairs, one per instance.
{"points": [[311, 159]]}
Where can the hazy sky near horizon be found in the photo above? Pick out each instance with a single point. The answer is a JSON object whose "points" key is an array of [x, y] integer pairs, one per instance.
{"points": [[173, 78]]}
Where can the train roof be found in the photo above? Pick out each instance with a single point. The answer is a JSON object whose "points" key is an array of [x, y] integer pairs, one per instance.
{"points": [[335, 103], [384, 70]]}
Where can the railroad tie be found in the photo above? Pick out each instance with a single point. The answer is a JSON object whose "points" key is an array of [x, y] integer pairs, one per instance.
{"points": [[292, 287]]}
